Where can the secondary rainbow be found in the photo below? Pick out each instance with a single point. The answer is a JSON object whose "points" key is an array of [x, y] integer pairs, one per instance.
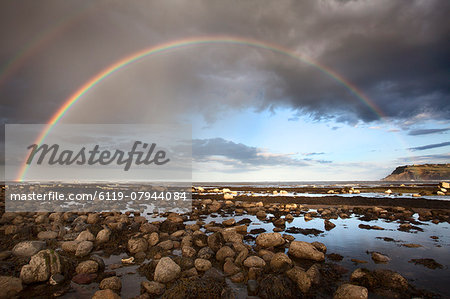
{"points": [[194, 41]]}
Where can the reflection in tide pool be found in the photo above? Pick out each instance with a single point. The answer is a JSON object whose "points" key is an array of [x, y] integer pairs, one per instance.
{"points": [[352, 242]]}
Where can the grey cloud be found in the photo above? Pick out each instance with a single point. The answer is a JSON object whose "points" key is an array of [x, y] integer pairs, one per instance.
{"points": [[400, 63], [430, 146], [427, 131], [204, 150]]}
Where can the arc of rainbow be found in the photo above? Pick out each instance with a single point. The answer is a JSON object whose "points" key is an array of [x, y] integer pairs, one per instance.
{"points": [[190, 42]]}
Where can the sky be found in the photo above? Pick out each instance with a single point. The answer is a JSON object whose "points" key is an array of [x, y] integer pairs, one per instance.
{"points": [[256, 114]]}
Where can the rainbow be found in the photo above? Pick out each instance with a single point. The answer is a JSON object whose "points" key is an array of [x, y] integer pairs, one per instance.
{"points": [[183, 43]]}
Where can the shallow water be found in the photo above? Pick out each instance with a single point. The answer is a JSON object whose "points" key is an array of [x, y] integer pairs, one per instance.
{"points": [[352, 242]]}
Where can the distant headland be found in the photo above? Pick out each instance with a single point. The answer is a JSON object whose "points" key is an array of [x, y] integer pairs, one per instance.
{"points": [[424, 172]]}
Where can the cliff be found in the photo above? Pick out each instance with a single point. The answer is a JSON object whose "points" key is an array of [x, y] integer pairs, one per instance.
{"points": [[423, 172]]}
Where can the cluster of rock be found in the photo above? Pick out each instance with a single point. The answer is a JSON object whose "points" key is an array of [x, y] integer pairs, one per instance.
{"points": [[443, 188], [184, 254]]}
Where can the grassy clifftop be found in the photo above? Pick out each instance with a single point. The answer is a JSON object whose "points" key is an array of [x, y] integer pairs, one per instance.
{"points": [[420, 172]]}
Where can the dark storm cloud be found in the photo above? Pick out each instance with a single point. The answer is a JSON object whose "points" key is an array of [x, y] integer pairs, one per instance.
{"points": [[430, 146], [427, 131], [238, 153], [396, 52]]}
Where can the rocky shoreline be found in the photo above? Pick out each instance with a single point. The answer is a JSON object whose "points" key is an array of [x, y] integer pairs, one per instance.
{"points": [[68, 255]]}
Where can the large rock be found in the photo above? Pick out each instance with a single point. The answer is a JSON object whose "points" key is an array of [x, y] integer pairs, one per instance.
{"points": [[269, 239], [166, 245], [216, 241], [224, 252], [42, 265], [166, 270], [305, 250], [380, 258], [153, 239], [84, 248], [47, 235], [112, 283], [254, 261], [28, 248], [105, 294], [85, 236], [205, 253], [69, 246], [103, 236], [300, 277], [280, 262], [137, 245], [350, 291], [10, 286], [87, 267], [314, 273], [202, 264]]}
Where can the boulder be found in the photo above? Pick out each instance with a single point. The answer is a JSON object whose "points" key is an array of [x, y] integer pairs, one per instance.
{"points": [[350, 291], [105, 294], [314, 273], [319, 246], [216, 241], [205, 253], [280, 262], [202, 264], [254, 261], [41, 266], [87, 267], [69, 246], [166, 245], [85, 236], [188, 251], [229, 222], [166, 270], [269, 239], [93, 218], [137, 245], [112, 283], [47, 235], [300, 277], [28, 248], [305, 250], [224, 252], [380, 258], [241, 257], [153, 239], [84, 248], [103, 236]]}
